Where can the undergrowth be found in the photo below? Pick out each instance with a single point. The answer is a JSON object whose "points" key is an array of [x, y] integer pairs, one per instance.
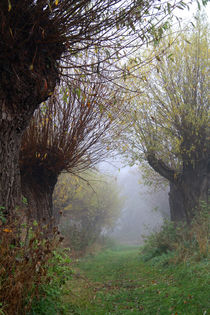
{"points": [[31, 269], [51, 292], [170, 276], [176, 243]]}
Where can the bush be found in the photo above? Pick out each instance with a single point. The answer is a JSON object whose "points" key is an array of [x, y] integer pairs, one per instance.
{"points": [[163, 241], [50, 300], [185, 241], [89, 206], [25, 260]]}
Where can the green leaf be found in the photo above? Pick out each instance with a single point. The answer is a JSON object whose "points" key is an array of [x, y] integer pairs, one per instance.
{"points": [[199, 6], [35, 223], [78, 92], [24, 200], [9, 6], [101, 108], [187, 41], [169, 7], [169, 56]]}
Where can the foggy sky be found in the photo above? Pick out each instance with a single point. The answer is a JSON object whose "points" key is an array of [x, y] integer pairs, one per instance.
{"points": [[143, 211]]}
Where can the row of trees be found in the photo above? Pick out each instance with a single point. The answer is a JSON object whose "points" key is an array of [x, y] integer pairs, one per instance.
{"points": [[60, 103], [40, 43], [169, 119]]}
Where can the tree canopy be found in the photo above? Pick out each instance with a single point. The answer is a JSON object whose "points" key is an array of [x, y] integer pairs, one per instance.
{"points": [[67, 133], [170, 117], [41, 41]]}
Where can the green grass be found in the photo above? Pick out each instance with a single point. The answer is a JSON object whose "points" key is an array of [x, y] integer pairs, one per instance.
{"points": [[118, 282]]}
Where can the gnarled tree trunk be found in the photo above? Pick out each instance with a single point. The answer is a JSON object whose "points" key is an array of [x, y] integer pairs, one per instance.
{"points": [[187, 189], [10, 138], [176, 203], [195, 187], [185, 196], [12, 125], [37, 188], [30, 47], [14, 118], [13, 122]]}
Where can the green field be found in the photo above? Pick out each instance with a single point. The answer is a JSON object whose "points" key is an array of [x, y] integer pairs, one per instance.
{"points": [[117, 281]]}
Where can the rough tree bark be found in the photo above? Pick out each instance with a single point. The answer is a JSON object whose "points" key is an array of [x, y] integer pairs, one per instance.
{"points": [[28, 74], [13, 121], [187, 188], [37, 188], [9, 158], [176, 203]]}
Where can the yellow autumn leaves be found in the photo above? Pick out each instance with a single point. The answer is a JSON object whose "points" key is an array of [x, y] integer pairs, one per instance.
{"points": [[9, 6], [38, 156], [6, 230]]}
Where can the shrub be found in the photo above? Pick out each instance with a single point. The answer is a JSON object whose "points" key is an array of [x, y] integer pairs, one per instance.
{"points": [[25, 259], [186, 241], [90, 206], [50, 299], [161, 242]]}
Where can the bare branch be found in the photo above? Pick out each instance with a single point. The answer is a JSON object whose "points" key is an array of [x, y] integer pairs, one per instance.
{"points": [[159, 166]]}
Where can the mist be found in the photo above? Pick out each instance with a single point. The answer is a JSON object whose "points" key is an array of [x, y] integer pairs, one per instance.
{"points": [[143, 209]]}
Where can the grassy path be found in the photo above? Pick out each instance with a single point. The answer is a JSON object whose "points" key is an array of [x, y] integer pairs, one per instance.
{"points": [[118, 282]]}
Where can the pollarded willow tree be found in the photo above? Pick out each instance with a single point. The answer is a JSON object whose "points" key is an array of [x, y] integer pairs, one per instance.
{"points": [[67, 133], [170, 120], [36, 38]]}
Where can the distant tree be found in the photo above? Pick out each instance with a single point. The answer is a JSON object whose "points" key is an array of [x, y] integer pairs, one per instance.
{"points": [[67, 133], [170, 120], [89, 207], [37, 37]]}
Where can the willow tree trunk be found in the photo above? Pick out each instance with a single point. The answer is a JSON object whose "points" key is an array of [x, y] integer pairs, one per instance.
{"points": [[12, 125], [14, 118], [10, 138], [31, 45], [176, 203], [187, 193], [187, 188], [38, 189]]}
